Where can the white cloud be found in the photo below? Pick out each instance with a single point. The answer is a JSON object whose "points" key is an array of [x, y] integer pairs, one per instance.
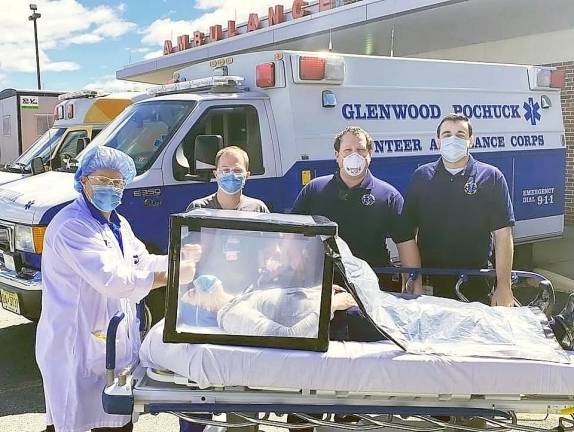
{"points": [[217, 12], [63, 23], [142, 50], [109, 83], [153, 54]]}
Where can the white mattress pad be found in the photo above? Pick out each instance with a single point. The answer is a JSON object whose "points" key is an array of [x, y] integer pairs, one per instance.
{"points": [[374, 367]]}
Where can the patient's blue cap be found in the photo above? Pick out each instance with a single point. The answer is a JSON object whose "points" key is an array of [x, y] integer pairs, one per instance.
{"points": [[205, 283], [100, 157]]}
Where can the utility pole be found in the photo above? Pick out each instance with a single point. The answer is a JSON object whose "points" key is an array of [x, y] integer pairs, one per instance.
{"points": [[35, 15]]}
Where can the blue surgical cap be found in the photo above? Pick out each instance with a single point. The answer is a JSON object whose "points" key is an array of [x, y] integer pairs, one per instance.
{"points": [[205, 283], [100, 157]]}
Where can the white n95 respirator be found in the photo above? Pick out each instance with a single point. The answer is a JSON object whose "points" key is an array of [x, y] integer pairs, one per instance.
{"points": [[354, 164]]}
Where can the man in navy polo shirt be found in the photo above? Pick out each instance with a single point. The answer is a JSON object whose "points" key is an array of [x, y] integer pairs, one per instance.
{"points": [[366, 209], [458, 205]]}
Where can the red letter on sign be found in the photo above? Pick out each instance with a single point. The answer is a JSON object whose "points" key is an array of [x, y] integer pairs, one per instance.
{"points": [[183, 42], [324, 5], [167, 47], [231, 30], [198, 38], [297, 10], [253, 23], [215, 33], [275, 16]]}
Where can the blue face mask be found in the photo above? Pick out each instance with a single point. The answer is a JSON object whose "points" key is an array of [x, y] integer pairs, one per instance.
{"points": [[231, 183], [106, 198]]}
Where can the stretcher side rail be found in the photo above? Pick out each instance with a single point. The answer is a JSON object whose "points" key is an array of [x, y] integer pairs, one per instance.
{"points": [[127, 394], [180, 400], [462, 276]]}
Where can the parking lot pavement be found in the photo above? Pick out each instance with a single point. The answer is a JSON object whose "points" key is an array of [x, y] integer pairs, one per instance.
{"points": [[21, 394]]}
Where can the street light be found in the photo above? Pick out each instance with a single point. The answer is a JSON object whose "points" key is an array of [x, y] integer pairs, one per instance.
{"points": [[35, 15]]}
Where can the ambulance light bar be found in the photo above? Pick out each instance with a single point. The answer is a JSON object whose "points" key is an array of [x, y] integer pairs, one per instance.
{"points": [[544, 78], [81, 94], [215, 83], [265, 75], [325, 69]]}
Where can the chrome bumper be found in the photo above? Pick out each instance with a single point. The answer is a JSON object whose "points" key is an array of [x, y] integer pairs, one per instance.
{"points": [[11, 279]]}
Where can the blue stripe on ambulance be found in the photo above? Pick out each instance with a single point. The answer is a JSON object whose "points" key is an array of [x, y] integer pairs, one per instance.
{"points": [[537, 188]]}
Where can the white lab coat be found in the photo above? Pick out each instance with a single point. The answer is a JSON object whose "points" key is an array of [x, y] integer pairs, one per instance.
{"points": [[86, 280]]}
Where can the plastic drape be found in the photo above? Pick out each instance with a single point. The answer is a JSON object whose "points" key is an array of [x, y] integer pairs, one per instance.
{"points": [[435, 325]]}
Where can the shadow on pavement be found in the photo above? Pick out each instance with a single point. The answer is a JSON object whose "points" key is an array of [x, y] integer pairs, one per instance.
{"points": [[20, 381]]}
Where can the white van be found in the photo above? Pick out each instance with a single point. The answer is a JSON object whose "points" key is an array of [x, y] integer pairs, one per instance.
{"points": [[284, 109], [78, 118]]}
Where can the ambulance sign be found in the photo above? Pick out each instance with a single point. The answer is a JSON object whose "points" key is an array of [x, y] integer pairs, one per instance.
{"points": [[29, 102]]}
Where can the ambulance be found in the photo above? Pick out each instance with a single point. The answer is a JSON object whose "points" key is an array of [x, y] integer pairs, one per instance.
{"points": [[284, 108], [78, 118]]}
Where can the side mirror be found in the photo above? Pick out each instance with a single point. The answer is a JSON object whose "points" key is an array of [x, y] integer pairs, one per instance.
{"points": [[37, 166], [81, 144]]}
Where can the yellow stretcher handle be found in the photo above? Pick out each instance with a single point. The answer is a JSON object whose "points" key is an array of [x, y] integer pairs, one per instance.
{"points": [[567, 411]]}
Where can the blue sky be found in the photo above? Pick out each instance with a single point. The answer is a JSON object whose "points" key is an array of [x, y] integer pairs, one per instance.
{"points": [[84, 42]]}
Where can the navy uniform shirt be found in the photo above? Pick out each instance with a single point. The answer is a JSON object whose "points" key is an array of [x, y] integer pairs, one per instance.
{"points": [[456, 214], [366, 214]]}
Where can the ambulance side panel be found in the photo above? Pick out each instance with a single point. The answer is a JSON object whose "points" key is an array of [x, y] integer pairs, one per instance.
{"points": [[511, 129]]}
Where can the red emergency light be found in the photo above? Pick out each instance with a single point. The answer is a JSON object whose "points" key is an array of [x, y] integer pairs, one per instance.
{"points": [[70, 111], [557, 79], [311, 68], [265, 75]]}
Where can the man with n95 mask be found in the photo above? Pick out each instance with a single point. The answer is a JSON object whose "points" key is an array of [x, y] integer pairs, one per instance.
{"points": [[366, 209], [92, 267]]}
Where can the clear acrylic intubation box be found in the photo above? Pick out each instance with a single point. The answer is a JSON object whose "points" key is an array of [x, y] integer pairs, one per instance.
{"points": [[250, 279]]}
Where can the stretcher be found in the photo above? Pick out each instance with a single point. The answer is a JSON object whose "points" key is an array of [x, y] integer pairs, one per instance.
{"points": [[377, 383]]}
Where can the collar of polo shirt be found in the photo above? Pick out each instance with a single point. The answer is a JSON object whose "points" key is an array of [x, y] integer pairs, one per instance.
{"points": [[469, 169]]}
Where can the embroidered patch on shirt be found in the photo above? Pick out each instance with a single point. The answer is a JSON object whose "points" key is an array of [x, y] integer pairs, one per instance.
{"points": [[368, 199]]}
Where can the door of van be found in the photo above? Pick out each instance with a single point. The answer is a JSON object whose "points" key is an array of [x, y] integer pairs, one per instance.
{"points": [[243, 123], [69, 145]]}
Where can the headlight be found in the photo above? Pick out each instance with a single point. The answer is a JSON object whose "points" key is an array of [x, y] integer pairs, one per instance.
{"points": [[29, 238]]}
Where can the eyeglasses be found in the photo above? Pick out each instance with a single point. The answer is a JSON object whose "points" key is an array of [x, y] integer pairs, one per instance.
{"points": [[106, 181], [231, 170]]}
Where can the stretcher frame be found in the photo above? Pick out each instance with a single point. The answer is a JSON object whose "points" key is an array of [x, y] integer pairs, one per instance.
{"points": [[142, 390]]}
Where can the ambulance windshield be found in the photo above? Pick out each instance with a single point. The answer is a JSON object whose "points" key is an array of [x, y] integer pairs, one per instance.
{"points": [[143, 129], [43, 147]]}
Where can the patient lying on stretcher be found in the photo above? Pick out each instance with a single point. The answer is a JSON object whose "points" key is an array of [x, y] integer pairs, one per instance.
{"points": [[286, 312], [281, 303], [294, 312]]}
